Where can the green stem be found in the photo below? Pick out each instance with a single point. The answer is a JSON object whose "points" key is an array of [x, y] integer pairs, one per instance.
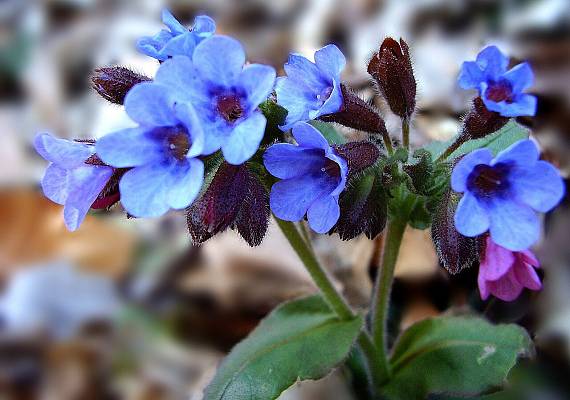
{"points": [[406, 133], [388, 143], [319, 275], [381, 299], [332, 297]]}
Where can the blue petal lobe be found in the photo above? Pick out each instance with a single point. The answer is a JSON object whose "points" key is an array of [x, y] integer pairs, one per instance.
{"points": [[244, 139], [258, 81], [330, 60], [492, 62], [220, 59], [54, 183], [144, 190], [540, 186], [471, 218], [290, 198], [523, 153], [130, 147], [323, 214], [309, 136], [520, 77], [287, 161], [514, 225], [470, 76], [150, 103], [62, 152], [186, 182]]}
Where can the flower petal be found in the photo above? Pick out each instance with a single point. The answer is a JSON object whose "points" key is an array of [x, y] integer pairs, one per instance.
{"points": [[150, 103], [528, 257], [309, 137], [520, 77], [498, 261], [492, 62], [523, 152], [343, 165], [84, 185], [285, 161], [65, 153], [181, 45], [188, 116], [513, 225], [258, 81], [507, 288], [331, 105], [300, 69], [527, 276], [244, 139], [291, 198], [144, 190], [330, 60], [323, 214], [169, 20], [54, 183], [470, 75], [540, 186], [130, 147], [186, 182], [465, 166], [180, 74], [219, 59], [204, 26], [297, 98], [471, 218]]}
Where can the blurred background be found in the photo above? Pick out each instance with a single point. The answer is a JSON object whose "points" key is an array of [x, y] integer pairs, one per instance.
{"points": [[129, 309]]}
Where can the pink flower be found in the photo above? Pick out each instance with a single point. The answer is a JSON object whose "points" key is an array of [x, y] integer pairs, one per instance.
{"points": [[505, 273]]}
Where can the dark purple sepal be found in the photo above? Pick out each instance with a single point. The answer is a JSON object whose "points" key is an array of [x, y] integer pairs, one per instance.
{"points": [[357, 114], [391, 68], [113, 83], [455, 251], [235, 198], [363, 208], [480, 122], [358, 155]]}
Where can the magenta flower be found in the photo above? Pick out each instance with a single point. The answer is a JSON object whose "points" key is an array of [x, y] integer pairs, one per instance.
{"points": [[505, 273]]}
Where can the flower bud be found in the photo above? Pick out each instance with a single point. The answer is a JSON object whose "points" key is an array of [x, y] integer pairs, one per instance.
{"points": [[358, 155], [480, 122], [391, 68], [236, 199], [113, 83], [357, 114]]}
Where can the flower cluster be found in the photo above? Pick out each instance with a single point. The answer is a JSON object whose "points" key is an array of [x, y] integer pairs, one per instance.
{"points": [[210, 138]]}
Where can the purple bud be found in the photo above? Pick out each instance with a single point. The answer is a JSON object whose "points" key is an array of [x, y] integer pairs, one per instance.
{"points": [[235, 198], [113, 83], [456, 252], [357, 114], [358, 155], [480, 122], [391, 68]]}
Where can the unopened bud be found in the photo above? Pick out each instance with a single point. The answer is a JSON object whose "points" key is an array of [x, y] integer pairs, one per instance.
{"points": [[357, 114], [358, 155], [113, 83], [480, 122], [391, 68]]}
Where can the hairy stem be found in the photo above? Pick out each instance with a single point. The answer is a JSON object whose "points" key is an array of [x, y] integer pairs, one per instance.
{"points": [[406, 133], [387, 142], [394, 234], [335, 300], [454, 146]]}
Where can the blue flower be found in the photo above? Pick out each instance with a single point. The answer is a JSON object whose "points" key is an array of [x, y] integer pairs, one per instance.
{"points": [[313, 176], [225, 94], [178, 40], [501, 194], [162, 150], [311, 89], [68, 179], [501, 89]]}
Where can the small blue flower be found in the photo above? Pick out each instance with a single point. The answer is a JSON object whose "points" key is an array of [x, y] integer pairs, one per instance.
{"points": [[313, 176], [178, 40], [225, 94], [501, 194], [68, 180], [162, 150], [501, 89], [311, 89]]}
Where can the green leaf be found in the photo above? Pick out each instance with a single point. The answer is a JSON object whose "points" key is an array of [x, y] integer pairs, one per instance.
{"points": [[329, 132], [511, 133], [454, 355], [299, 340], [275, 115]]}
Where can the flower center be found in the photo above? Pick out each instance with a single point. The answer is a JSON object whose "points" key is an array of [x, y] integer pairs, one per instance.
{"points": [[486, 180], [500, 91], [324, 94], [331, 168], [178, 142], [229, 106]]}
